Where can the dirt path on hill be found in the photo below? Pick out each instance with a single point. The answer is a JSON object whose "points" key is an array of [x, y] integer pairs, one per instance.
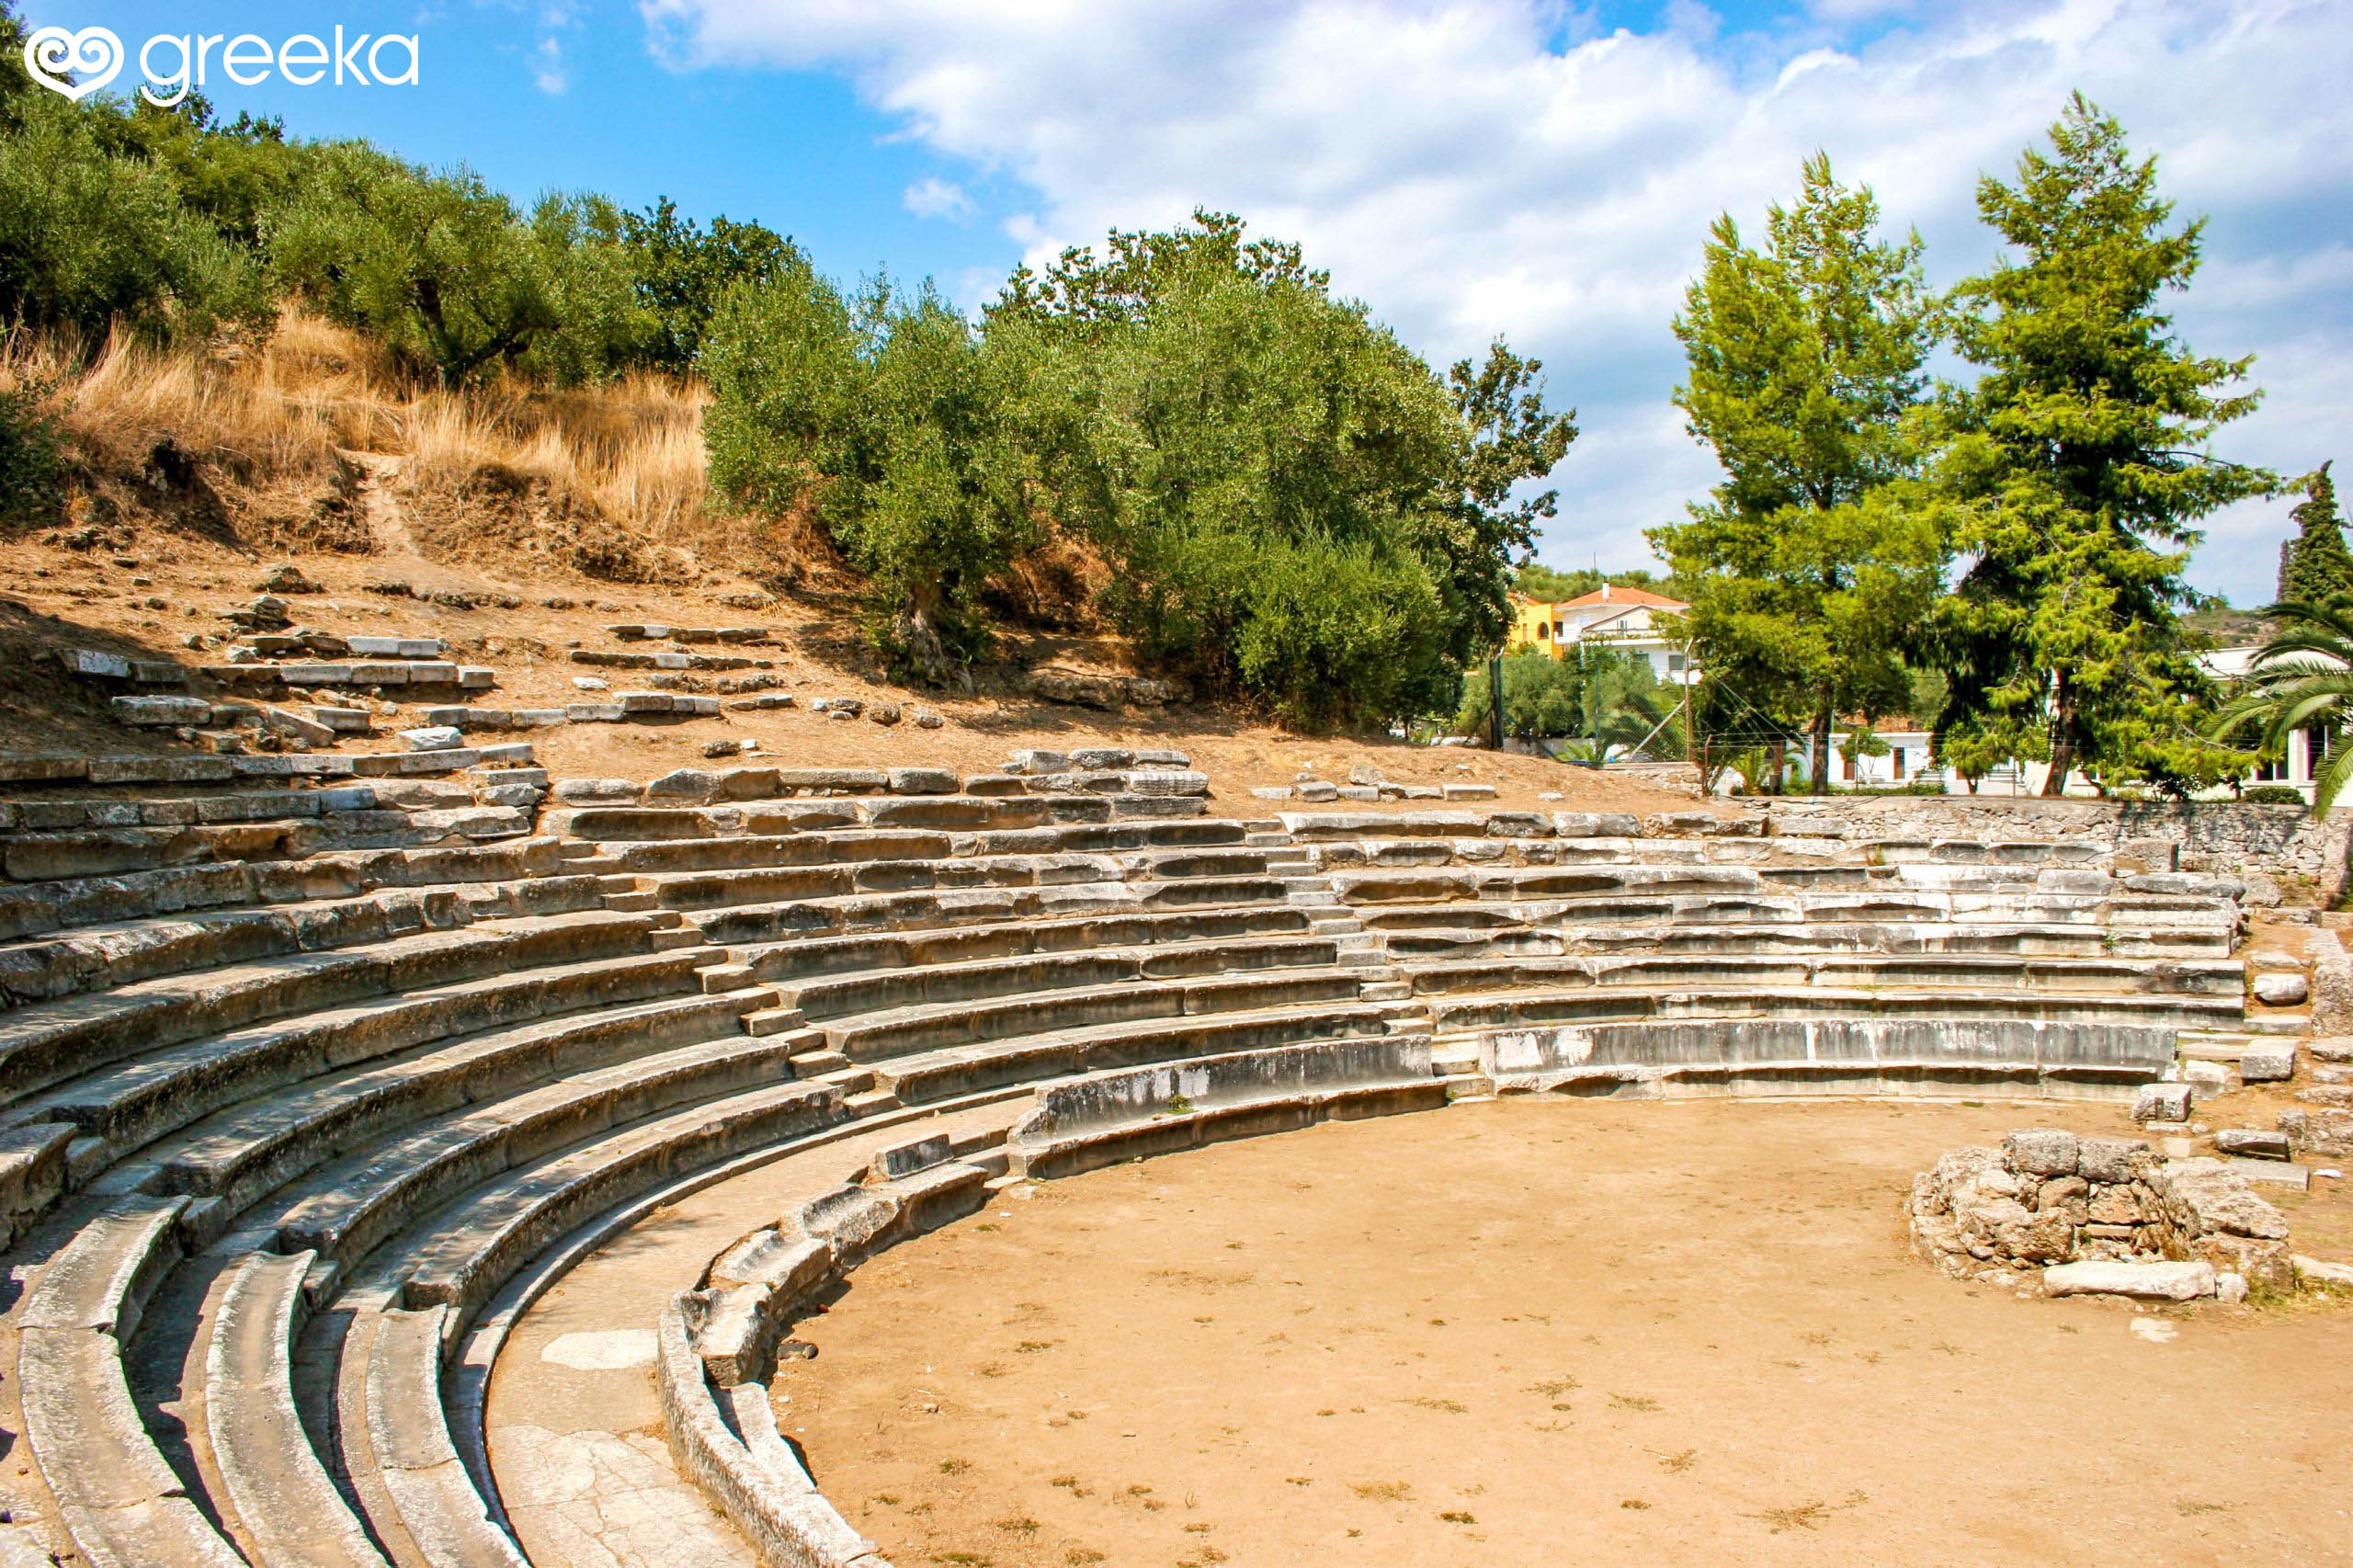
{"points": [[381, 509], [1557, 1333]]}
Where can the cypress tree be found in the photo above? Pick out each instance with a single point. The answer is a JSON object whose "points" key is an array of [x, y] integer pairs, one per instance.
{"points": [[2317, 566]]}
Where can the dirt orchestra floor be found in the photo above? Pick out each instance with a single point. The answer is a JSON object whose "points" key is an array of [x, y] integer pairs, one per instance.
{"points": [[1561, 1332]]}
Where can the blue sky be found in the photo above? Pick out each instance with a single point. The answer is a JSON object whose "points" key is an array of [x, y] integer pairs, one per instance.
{"points": [[1540, 169]]}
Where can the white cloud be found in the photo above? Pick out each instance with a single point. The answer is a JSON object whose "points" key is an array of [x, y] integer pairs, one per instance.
{"points": [[937, 198], [547, 67], [1453, 165]]}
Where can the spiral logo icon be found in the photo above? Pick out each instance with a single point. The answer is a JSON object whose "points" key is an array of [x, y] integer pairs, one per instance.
{"points": [[93, 54]]}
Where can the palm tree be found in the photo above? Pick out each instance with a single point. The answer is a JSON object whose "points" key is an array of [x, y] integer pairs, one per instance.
{"points": [[2301, 680]]}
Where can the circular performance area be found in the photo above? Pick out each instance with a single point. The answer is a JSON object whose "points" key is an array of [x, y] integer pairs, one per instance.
{"points": [[766, 1165]]}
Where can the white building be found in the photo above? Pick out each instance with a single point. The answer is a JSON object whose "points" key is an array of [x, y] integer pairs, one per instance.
{"points": [[1623, 620]]}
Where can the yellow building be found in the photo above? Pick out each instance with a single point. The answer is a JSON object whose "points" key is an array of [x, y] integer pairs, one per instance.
{"points": [[1625, 619]]}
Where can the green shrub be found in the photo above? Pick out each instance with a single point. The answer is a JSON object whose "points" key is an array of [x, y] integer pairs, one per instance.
{"points": [[88, 237], [32, 461], [891, 423], [2272, 795]]}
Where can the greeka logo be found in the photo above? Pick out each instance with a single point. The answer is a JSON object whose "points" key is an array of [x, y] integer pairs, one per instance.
{"points": [[80, 63]]}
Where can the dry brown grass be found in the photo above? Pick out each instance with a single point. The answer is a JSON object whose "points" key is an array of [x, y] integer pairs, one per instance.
{"points": [[609, 480]]}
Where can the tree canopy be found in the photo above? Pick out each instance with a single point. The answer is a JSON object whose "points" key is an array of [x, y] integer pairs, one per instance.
{"points": [[2077, 463], [1810, 566]]}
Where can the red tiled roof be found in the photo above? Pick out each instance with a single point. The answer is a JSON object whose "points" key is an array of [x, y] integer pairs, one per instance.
{"points": [[1611, 594]]}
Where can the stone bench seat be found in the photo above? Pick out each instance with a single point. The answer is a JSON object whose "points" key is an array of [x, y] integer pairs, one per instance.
{"points": [[709, 890], [136, 1100], [1408, 943], [394, 1358], [1284, 1111], [345, 1209], [1438, 884], [456, 1256], [47, 1042], [1102, 837], [1544, 1009], [1186, 863], [1835, 1055], [1083, 1123], [2216, 977], [100, 852], [115, 1491], [897, 1032], [1040, 974], [947, 1074], [790, 961], [1797, 909], [122, 952], [268, 1139], [918, 907], [284, 1502], [842, 847]]}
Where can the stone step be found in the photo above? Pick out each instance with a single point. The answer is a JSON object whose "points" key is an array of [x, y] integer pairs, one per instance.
{"points": [[913, 944], [45, 1042], [115, 1491], [346, 1208], [882, 1034], [241, 1153], [281, 1497], [957, 1071], [129, 1107], [457, 1256], [1037, 975], [1611, 1004]]}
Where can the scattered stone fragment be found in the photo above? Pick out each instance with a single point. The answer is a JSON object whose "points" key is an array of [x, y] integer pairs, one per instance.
{"points": [[288, 579], [925, 718], [433, 737], [2267, 1064], [884, 713], [2280, 988], [921, 781], [2043, 1151], [2315, 1271], [2252, 1144], [93, 663], [2206, 1079], [684, 784]]}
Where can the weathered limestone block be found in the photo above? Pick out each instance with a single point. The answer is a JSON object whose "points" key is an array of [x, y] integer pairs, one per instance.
{"points": [[2141, 1281]]}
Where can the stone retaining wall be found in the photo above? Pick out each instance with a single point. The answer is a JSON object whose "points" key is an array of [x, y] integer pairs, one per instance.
{"points": [[2047, 1198], [2286, 855]]}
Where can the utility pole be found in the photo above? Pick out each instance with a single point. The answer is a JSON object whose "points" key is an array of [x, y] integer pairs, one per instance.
{"points": [[1494, 702]]}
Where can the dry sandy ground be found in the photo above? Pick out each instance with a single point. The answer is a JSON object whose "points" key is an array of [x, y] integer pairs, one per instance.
{"points": [[1557, 1333], [52, 598]]}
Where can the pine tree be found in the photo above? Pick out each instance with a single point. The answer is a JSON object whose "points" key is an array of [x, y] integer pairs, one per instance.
{"points": [[2315, 566], [1806, 570], [2077, 465]]}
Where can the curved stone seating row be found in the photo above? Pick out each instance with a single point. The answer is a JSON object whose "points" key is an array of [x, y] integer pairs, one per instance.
{"points": [[1088, 1122], [1781, 1055], [347, 1133], [716, 1344]]}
